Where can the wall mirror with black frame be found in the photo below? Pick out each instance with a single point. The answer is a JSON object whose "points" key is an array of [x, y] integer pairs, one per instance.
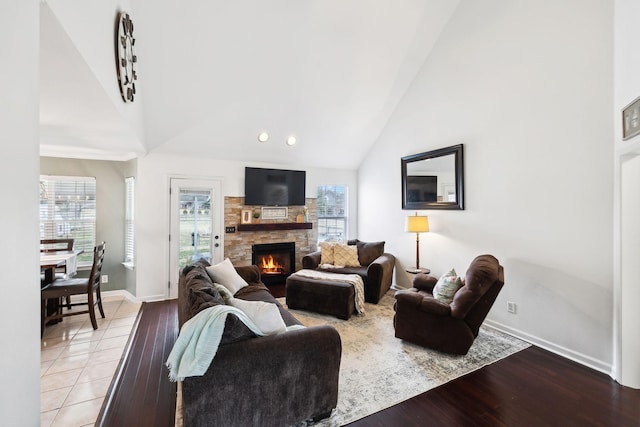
{"points": [[433, 179]]}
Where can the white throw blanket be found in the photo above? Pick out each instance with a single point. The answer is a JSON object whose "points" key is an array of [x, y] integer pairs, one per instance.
{"points": [[354, 279], [71, 266], [70, 262], [199, 338]]}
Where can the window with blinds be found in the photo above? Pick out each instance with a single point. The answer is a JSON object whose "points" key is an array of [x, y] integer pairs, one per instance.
{"points": [[129, 238], [68, 211], [332, 205]]}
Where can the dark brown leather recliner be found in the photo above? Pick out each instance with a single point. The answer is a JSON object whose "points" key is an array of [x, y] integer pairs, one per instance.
{"points": [[423, 320]]}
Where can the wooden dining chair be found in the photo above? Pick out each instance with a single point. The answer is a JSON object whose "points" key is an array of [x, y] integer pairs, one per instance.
{"points": [[58, 245], [66, 288]]}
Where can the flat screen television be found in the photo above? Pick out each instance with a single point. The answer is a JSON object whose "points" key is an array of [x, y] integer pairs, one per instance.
{"points": [[274, 187], [422, 188]]}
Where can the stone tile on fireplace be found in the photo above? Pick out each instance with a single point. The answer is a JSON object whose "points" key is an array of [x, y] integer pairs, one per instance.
{"points": [[237, 246]]}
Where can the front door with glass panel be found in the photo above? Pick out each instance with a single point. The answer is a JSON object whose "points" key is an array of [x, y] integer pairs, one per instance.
{"points": [[196, 221]]}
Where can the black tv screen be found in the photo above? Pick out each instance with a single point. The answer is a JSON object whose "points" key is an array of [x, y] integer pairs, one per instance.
{"points": [[274, 187], [422, 188]]}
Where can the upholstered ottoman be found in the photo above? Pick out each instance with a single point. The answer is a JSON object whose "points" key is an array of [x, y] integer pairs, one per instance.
{"points": [[325, 296]]}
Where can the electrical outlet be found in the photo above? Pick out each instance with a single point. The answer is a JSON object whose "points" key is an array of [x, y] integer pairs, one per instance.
{"points": [[511, 307], [104, 278], [230, 229]]}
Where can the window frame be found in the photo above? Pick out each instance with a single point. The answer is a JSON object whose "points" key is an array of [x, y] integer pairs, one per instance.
{"points": [[80, 212], [129, 223], [341, 217]]}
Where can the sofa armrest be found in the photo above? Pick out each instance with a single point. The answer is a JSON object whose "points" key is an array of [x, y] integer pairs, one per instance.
{"points": [[386, 261], [409, 298], [424, 282], [379, 277], [423, 320], [413, 300], [382, 267], [311, 261], [274, 380]]}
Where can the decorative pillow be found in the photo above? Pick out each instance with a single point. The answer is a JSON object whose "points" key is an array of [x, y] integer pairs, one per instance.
{"points": [[326, 252], [201, 263], [203, 297], [227, 276], [264, 314], [368, 252], [345, 256], [195, 276], [196, 279], [447, 286]]}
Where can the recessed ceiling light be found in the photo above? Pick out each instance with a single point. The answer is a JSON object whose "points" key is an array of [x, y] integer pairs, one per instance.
{"points": [[263, 137], [291, 140]]}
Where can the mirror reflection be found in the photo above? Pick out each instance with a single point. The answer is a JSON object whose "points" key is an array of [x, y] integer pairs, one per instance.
{"points": [[433, 180]]}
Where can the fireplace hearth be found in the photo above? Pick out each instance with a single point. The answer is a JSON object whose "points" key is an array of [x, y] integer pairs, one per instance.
{"points": [[276, 261]]}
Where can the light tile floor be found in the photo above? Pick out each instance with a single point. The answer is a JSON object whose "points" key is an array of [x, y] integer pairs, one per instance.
{"points": [[77, 363]]}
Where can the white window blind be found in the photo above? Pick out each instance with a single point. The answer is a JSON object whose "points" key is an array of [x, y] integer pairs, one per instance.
{"points": [[68, 210], [332, 212], [129, 238]]}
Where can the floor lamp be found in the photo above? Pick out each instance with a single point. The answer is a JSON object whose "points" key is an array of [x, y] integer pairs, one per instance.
{"points": [[417, 224]]}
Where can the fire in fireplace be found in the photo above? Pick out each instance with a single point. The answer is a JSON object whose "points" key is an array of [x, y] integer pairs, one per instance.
{"points": [[270, 265], [276, 261]]}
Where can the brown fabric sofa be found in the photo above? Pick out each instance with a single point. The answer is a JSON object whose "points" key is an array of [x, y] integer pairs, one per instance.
{"points": [[275, 380], [376, 268], [423, 320]]}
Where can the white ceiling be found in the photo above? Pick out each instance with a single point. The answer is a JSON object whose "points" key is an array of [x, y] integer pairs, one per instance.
{"points": [[215, 74], [77, 116]]}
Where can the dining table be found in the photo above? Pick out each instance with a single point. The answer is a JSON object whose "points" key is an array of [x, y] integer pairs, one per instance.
{"points": [[49, 262]]}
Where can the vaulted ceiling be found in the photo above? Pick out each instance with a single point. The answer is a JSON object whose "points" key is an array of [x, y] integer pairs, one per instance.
{"points": [[215, 74]]}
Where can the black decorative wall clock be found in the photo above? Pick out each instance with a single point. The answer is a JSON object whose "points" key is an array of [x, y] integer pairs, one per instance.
{"points": [[126, 57]]}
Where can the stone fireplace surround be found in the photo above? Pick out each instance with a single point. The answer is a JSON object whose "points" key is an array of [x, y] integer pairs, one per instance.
{"points": [[237, 246]]}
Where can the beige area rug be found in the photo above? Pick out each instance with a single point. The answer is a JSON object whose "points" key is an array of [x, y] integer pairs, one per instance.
{"points": [[378, 370]]}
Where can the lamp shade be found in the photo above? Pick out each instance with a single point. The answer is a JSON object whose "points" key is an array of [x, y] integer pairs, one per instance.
{"points": [[417, 224]]}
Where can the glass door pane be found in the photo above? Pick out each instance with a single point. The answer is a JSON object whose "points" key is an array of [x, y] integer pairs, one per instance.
{"points": [[194, 211], [196, 217]]}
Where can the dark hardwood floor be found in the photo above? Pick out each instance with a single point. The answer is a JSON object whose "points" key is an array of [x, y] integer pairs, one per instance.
{"points": [[141, 393], [530, 388]]}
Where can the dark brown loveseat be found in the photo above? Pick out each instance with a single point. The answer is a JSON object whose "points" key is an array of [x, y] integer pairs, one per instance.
{"points": [[450, 328], [376, 268], [275, 380]]}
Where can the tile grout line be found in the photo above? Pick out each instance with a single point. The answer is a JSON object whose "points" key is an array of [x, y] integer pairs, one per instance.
{"points": [[67, 341]]}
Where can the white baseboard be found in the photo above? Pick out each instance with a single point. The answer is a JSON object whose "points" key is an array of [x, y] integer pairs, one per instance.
{"points": [[128, 295], [153, 298], [119, 293], [580, 358]]}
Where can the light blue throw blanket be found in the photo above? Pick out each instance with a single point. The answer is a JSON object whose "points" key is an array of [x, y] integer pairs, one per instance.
{"points": [[199, 338]]}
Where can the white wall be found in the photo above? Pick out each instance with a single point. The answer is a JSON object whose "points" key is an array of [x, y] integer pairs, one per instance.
{"points": [[91, 26], [20, 315], [526, 86], [626, 247], [152, 206], [628, 371]]}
